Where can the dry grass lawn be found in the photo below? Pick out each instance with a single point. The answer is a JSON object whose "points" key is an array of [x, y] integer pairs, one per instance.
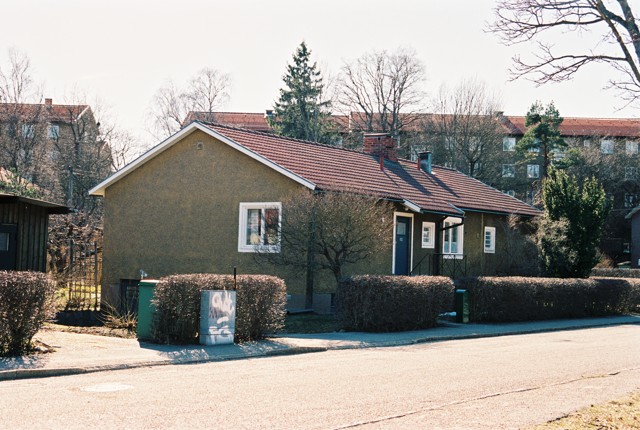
{"points": [[621, 414]]}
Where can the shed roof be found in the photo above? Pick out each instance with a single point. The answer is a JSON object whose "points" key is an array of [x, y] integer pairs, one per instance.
{"points": [[52, 208]]}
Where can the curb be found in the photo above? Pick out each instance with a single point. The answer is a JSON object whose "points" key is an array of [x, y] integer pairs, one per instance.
{"points": [[16, 374]]}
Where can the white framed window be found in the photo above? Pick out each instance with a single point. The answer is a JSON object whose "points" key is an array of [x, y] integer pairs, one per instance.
{"points": [[509, 144], [606, 146], [54, 131], [586, 143], [449, 143], [529, 197], [630, 200], [489, 240], [28, 131], [629, 173], [534, 149], [511, 193], [259, 227], [631, 147], [428, 234], [533, 171], [452, 237], [508, 170]]}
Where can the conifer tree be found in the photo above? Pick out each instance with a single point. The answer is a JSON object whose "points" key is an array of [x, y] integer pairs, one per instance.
{"points": [[301, 112], [542, 137]]}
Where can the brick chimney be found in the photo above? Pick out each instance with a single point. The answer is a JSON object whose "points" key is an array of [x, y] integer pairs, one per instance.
{"points": [[381, 144], [48, 103]]}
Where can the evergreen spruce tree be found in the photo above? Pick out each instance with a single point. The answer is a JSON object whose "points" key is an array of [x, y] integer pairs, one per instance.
{"points": [[542, 137], [301, 112]]}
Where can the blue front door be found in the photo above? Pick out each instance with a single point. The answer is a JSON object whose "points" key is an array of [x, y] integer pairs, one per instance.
{"points": [[403, 243]]}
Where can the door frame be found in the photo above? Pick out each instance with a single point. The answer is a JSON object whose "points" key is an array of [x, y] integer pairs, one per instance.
{"points": [[396, 214]]}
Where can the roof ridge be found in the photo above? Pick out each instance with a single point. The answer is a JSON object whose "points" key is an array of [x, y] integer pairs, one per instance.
{"points": [[224, 112], [589, 118]]}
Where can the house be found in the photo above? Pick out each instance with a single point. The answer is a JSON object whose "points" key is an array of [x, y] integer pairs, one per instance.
{"points": [[188, 205], [40, 141], [611, 145], [24, 226]]}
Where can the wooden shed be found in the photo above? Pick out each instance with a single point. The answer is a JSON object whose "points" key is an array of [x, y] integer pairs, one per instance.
{"points": [[24, 228]]}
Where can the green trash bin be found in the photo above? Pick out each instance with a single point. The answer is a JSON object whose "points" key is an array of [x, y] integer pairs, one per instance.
{"points": [[146, 289], [462, 306]]}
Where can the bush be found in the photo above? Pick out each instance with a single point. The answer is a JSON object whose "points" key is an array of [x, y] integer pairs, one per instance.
{"points": [[260, 305], [392, 303], [527, 299], [615, 273], [26, 302]]}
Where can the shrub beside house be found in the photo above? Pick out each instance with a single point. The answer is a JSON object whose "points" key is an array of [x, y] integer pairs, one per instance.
{"points": [[201, 200]]}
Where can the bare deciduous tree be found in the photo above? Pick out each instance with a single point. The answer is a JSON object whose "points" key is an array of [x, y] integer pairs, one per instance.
{"points": [[383, 90], [329, 231], [204, 93], [614, 22], [464, 129]]}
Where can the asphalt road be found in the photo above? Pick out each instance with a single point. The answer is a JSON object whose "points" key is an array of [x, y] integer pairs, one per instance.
{"points": [[505, 382]]}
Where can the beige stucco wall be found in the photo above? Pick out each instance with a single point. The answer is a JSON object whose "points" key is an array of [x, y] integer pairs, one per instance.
{"points": [[178, 213]]}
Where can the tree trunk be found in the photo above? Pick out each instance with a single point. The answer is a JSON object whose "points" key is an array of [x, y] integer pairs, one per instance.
{"points": [[311, 262]]}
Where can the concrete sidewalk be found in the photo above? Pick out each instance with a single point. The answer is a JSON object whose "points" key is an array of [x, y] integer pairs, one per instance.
{"points": [[83, 353]]}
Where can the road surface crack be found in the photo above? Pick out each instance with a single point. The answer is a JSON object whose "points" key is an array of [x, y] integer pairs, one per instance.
{"points": [[483, 397]]}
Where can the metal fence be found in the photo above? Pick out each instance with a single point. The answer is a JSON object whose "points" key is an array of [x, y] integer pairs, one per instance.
{"points": [[441, 265], [80, 277]]}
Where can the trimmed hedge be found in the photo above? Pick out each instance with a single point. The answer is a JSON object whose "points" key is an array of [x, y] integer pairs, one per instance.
{"points": [[392, 303], [616, 273], [27, 300], [528, 299], [260, 305]]}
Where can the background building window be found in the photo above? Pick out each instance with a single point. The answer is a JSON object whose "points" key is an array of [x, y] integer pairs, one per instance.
{"points": [[629, 173], [533, 170], [510, 193], [630, 200], [509, 144], [508, 170], [606, 146], [28, 131], [631, 147], [489, 240], [428, 234], [54, 131], [259, 227]]}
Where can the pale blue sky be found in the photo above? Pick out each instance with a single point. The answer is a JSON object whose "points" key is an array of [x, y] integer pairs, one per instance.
{"points": [[123, 50]]}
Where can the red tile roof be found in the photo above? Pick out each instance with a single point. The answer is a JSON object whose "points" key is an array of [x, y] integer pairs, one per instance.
{"points": [[42, 112], [330, 168], [248, 120], [615, 127], [587, 127]]}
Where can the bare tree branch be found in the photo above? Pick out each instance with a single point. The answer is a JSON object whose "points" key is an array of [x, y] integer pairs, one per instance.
{"points": [[523, 21]]}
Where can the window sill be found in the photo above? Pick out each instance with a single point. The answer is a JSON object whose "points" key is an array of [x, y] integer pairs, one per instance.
{"points": [[453, 256], [259, 249]]}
